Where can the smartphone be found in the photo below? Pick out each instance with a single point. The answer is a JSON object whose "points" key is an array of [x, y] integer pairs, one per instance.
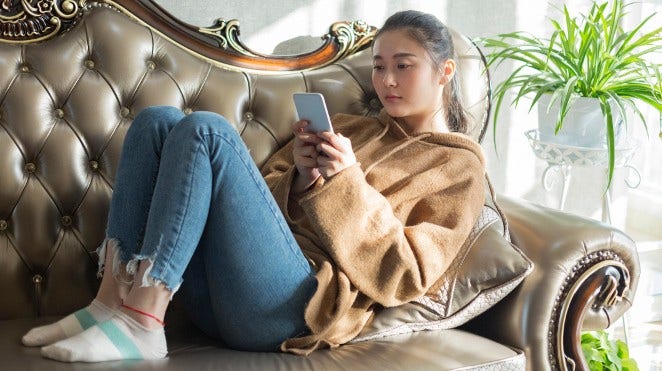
{"points": [[311, 107]]}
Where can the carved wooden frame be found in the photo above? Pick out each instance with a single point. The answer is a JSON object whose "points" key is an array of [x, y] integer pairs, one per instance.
{"points": [[29, 21], [597, 282]]}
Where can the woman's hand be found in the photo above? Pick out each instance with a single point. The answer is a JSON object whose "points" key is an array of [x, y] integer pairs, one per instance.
{"points": [[305, 156], [335, 154]]}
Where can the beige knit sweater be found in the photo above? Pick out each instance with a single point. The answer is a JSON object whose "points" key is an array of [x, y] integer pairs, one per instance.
{"points": [[381, 232]]}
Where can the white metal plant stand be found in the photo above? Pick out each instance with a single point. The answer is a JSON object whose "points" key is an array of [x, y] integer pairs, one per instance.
{"points": [[561, 158]]}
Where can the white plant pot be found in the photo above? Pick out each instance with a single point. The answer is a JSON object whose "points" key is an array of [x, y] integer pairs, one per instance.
{"points": [[583, 126]]}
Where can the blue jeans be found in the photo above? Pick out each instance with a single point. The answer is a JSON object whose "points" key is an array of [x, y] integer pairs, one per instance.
{"points": [[189, 199]]}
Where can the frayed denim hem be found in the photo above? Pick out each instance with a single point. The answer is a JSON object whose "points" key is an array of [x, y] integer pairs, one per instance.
{"points": [[101, 252], [148, 279], [131, 267]]}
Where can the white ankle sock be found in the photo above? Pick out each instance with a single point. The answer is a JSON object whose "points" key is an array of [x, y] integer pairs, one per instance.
{"points": [[118, 338], [70, 325]]}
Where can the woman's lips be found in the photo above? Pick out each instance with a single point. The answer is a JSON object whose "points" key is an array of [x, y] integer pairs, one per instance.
{"points": [[391, 97]]}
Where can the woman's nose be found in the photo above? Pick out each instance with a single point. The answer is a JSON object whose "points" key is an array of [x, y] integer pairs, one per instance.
{"points": [[389, 79]]}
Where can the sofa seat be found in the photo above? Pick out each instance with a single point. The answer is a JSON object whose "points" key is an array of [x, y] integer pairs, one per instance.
{"points": [[190, 349]]}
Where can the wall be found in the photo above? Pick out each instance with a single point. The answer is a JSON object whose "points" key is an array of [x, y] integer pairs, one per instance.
{"points": [[295, 26], [265, 24]]}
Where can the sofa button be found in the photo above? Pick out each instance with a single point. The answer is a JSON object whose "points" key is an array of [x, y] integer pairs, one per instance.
{"points": [[3, 225], [37, 279], [151, 65], [248, 116], [25, 68], [66, 220], [59, 113], [187, 110], [124, 112], [94, 165], [30, 167], [89, 64]]}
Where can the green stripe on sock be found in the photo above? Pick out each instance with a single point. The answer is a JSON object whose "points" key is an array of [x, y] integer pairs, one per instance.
{"points": [[122, 342], [85, 318]]}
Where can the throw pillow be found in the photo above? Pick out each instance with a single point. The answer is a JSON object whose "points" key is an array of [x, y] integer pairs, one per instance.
{"points": [[487, 269]]}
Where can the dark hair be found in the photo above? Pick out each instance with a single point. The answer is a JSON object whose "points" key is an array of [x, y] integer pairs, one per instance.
{"points": [[435, 37]]}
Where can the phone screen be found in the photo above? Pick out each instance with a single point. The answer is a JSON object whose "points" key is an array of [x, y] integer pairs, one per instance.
{"points": [[312, 108]]}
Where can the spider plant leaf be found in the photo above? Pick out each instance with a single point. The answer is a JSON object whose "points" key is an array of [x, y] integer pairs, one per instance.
{"points": [[565, 102], [607, 113]]}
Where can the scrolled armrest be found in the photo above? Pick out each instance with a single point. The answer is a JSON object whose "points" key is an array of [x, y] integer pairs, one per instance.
{"points": [[585, 276]]}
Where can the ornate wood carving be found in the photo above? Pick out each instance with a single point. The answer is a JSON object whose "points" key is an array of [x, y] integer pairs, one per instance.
{"points": [[26, 21], [220, 42], [349, 37], [599, 281]]}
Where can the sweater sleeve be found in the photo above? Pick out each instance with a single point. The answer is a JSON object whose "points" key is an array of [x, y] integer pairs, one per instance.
{"points": [[394, 259]]}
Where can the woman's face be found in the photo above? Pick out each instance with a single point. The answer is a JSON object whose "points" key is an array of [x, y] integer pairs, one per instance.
{"points": [[408, 83]]}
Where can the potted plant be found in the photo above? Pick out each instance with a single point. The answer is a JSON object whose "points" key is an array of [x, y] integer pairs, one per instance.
{"points": [[588, 57], [602, 353]]}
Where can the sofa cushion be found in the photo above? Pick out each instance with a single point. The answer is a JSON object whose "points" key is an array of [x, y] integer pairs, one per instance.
{"points": [[189, 350], [487, 268]]}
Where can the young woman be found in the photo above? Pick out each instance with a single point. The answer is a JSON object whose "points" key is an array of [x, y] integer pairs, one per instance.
{"points": [[298, 256]]}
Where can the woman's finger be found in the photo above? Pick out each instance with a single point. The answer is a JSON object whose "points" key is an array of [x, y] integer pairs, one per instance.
{"points": [[328, 150], [305, 151], [299, 126]]}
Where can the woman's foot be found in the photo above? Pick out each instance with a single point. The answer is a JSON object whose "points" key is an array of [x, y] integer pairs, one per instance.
{"points": [[121, 337], [70, 325]]}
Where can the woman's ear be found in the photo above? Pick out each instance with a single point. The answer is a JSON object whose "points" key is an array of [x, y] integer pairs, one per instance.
{"points": [[447, 71]]}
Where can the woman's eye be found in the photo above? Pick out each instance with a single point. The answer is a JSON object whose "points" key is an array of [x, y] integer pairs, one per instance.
{"points": [[377, 67], [403, 66]]}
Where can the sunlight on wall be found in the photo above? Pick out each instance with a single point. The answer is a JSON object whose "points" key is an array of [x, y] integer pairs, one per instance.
{"points": [[530, 16], [312, 20], [301, 30], [644, 211]]}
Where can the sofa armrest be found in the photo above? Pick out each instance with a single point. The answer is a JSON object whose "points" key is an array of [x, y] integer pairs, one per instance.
{"points": [[585, 276]]}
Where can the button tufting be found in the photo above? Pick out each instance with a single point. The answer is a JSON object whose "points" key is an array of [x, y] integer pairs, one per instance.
{"points": [[37, 278], [151, 65], [248, 116], [59, 113], [3, 225], [187, 110], [94, 165], [124, 112], [66, 220], [30, 167], [25, 68], [89, 64]]}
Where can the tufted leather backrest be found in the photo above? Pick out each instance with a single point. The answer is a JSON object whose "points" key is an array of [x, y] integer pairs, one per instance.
{"points": [[65, 106]]}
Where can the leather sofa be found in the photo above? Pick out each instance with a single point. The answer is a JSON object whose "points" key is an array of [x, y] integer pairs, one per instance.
{"points": [[75, 73]]}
